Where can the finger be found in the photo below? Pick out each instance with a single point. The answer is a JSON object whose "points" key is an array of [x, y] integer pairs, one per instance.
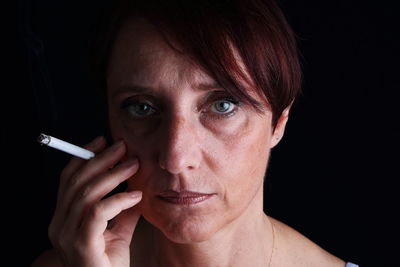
{"points": [[97, 188], [124, 224], [95, 223], [57, 222], [97, 145], [88, 171]]}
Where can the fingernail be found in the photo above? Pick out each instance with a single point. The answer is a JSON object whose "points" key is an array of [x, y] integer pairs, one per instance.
{"points": [[117, 145], [96, 142], [129, 162], [136, 194]]}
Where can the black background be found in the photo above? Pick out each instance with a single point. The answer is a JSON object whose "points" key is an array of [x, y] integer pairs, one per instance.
{"points": [[332, 177]]}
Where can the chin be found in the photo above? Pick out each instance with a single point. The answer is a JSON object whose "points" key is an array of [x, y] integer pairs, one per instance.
{"points": [[187, 230]]}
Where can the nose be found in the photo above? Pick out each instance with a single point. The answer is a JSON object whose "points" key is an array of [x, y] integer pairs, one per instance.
{"points": [[180, 148]]}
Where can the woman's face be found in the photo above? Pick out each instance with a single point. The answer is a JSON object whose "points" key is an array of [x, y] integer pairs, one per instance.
{"points": [[202, 154]]}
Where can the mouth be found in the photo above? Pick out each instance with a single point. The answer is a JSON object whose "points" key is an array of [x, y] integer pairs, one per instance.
{"points": [[184, 197]]}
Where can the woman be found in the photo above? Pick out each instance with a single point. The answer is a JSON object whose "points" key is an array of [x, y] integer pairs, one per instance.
{"points": [[198, 94]]}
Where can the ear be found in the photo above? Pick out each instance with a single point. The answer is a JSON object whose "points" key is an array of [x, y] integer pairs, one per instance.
{"points": [[280, 127]]}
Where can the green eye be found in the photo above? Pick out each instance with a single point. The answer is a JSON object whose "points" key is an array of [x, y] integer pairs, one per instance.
{"points": [[222, 106]]}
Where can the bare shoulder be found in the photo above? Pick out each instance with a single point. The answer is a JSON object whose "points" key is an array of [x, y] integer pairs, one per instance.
{"points": [[48, 258], [294, 249]]}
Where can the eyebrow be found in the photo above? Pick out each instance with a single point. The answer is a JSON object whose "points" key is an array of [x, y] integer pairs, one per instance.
{"points": [[130, 89], [150, 90], [208, 86]]}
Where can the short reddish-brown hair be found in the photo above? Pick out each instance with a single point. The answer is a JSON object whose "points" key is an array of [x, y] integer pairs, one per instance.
{"points": [[207, 30]]}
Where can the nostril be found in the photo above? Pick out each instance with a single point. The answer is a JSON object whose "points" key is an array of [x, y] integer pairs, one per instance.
{"points": [[178, 146]]}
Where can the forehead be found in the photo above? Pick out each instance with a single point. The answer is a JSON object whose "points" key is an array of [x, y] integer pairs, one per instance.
{"points": [[142, 56], [141, 53]]}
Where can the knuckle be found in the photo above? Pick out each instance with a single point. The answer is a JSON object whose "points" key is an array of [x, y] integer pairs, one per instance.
{"points": [[56, 239], [67, 171], [97, 211], [84, 192], [52, 237], [120, 197], [52, 232], [73, 180], [64, 174], [116, 197], [78, 246], [62, 241]]}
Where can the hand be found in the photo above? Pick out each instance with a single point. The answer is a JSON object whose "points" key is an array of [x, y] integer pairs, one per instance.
{"points": [[79, 228]]}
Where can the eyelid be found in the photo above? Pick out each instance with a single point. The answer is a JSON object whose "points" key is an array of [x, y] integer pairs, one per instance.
{"points": [[219, 96], [223, 96], [204, 108], [149, 100], [125, 104]]}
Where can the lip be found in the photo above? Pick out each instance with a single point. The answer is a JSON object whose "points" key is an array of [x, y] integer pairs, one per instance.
{"points": [[184, 197]]}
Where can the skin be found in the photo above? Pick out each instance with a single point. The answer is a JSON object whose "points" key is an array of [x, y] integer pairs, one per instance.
{"points": [[165, 109], [185, 145]]}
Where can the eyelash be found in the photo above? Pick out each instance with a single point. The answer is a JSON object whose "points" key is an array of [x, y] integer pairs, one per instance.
{"points": [[231, 100], [126, 104], [132, 102]]}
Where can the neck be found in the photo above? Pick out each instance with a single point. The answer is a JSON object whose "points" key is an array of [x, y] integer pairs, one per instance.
{"points": [[247, 241]]}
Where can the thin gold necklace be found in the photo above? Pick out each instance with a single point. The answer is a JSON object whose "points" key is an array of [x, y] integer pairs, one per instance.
{"points": [[273, 243]]}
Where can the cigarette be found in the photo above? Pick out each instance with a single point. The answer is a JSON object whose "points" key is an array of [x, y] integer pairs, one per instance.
{"points": [[65, 146]]}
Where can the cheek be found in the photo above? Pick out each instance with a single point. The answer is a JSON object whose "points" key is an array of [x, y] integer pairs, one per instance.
{"points": [[235, 151], [241, 158], [135, 134], [138, 145], [242, 145]]}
